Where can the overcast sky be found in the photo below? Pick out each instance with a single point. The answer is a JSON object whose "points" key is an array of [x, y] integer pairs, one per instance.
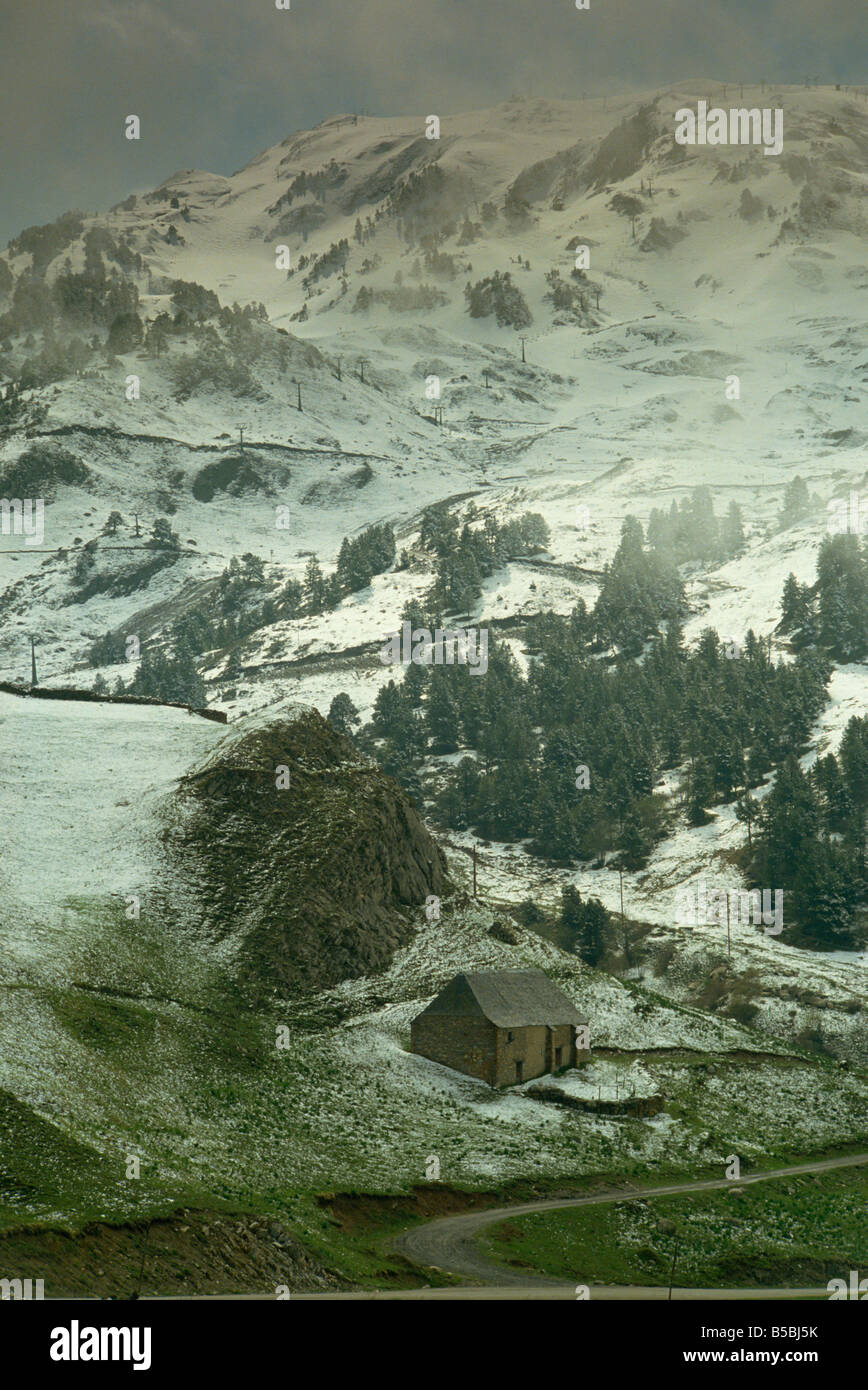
{"points": [[216, 81]]}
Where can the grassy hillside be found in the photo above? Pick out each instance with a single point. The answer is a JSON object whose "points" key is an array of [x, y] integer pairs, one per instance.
{"points": [[797, 1232]]}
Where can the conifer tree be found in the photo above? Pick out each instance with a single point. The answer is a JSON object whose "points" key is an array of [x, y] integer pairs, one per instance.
{"points": [[343, 714], [314, 587], [441, 713], [701, 793]]}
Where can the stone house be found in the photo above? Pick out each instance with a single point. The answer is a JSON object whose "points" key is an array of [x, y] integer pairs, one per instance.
{"points": [[502, 1026]]}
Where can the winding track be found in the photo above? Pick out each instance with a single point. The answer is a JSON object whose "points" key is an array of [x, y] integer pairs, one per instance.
{"points": [[449, 1243]]}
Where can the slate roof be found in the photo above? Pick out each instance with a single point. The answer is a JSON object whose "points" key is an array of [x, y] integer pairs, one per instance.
{"points": [[507, 998]]}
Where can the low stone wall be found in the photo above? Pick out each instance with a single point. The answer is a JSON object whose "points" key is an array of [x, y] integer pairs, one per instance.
{"points": [[39, 692], [640, 1106]]}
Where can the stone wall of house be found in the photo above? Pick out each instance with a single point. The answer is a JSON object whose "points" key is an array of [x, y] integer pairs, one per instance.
{"points": [[536, 1047], [474, 1046], [465, 1044]]}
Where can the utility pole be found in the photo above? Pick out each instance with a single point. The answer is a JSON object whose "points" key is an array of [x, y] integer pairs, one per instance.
{"points": [[340, 378], [672, 1271], [362, 362], [33, 679], [523, 341], [474, 871], [241, 439], [728, 932], [138, 1291], [137, 531], [298, 389], [485, 375]]}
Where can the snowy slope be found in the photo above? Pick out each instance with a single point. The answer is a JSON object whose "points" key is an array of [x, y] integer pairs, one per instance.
{"points": [[80, 808], [621, 412]]}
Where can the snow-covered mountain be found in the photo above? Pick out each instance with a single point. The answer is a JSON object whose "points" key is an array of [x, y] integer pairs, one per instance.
{"points": [[710, 262], [646, 317], [715, 334]]}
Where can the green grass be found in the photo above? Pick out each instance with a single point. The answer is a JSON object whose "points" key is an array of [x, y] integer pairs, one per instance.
{"points": [[47, 1174], [132, 1040], [790, 1232]]}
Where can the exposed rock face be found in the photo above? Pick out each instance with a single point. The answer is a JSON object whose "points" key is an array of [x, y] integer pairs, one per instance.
{"points": [[313, 881]]}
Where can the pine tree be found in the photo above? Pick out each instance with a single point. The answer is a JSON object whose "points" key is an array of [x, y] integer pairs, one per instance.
{"points": [[314, 587], [584, 924], [162, 536], [747, 810], [788, 824], [797, 502], [415, 683], [388, 712], [441, 713], [233, 669], [592, 932], [343, 714], [701, 793], [633, 843], [343, 564], [794, 602], [156, 338], [842, 584], [571, 909], [553, 827]]}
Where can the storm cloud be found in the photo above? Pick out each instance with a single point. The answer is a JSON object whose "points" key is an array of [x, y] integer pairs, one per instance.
{"points": [[216, 81]]}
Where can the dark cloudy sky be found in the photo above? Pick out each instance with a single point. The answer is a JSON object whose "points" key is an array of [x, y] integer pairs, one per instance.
{"points": [[216, 81]]}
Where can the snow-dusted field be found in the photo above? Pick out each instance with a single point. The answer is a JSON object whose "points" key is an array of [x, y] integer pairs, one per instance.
{"points": [[616, 414]]}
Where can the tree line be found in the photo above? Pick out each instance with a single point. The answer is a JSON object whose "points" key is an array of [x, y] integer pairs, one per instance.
{"points": [[809, 841], [832, 613], [573, 755]]}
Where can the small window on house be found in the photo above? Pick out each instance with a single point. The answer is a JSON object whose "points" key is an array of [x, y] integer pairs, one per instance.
{"points": [[510, 1037]]}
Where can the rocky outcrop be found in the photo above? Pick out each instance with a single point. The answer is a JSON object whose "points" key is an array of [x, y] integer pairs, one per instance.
{"points": [[303, 851]]}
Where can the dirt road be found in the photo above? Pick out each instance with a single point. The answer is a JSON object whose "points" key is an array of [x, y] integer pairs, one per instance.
{"points": [[449, 1244]]}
